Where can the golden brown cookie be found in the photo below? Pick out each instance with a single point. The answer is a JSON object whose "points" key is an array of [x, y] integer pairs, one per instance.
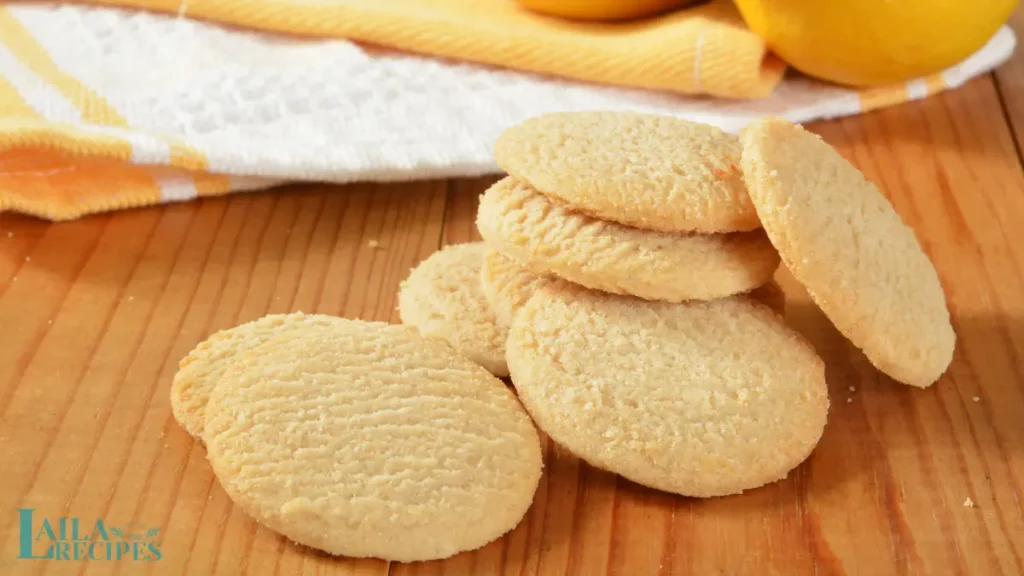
{"points": [[642, 170], [699, 398], [550, 239], [842, 239], [366, 439], [507, 284], [442, 297], [200, 370]]}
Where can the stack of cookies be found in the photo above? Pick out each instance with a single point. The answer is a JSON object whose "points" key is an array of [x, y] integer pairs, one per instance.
{"points": [[647, 206], [625, 285]]}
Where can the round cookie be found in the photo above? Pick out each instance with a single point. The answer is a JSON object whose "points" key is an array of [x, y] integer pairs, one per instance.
{"points": [[508, 285], [201, 369], [648, 171], [550, 239], [366, 439], [699, 398], [842, 239], [442, 297]]}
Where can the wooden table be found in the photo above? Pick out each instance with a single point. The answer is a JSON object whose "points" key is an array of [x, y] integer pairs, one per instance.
{"points": [[96, 313]]}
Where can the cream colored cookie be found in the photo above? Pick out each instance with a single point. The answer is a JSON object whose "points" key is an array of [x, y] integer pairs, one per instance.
{"points": [[699, 398], [651, 172], [550, 239], [842, 239], [201, 369], [508, 285], [366, 439], [442, 297], [771, 295]]}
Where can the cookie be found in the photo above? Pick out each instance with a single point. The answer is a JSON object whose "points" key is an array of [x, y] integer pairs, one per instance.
{"points": [[699, 398], [366, 439], [651, 172], [201, 369], [442, 297], [842, 239], [550, 239], [771, 295], [508, 285]]}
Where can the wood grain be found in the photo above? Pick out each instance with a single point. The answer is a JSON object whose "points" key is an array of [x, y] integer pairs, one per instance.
{"points": [[95, 314], [1010, 82]]}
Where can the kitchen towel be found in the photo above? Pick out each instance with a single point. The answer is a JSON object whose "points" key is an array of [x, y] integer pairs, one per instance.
{"points": [[104, 108]]}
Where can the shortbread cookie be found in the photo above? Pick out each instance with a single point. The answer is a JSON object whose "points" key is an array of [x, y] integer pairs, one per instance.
{"points": [[699, 398], [550, 239], [771, 295], [842, 239], [200, 370], [507, 284], [651, 172], [366, 439], [442, 297]]}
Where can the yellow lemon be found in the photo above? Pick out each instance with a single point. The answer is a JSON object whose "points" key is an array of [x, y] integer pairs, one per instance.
{"points": [[601, 9], [871, 42]]}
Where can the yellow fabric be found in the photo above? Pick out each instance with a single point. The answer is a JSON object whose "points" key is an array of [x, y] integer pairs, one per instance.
{"points": [[61, 172], [705, 49]]}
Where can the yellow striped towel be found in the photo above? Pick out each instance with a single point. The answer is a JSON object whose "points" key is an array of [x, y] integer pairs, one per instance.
{"points": [[104, 107]]}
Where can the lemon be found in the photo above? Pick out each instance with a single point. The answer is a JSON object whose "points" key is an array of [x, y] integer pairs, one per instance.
{"points": [[601, 9], [872, 42]]}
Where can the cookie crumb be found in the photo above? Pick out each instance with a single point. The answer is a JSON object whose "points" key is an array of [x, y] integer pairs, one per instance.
{"points": [[773, 173], [976, 399], [10, 234], [968, 503], [373, 244], [853, 388], [848, 400]]}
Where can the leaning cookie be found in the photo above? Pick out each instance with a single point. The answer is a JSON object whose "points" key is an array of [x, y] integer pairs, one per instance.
{"points": [[699, 398], [508, 285], [643, 170], [842, 239], [442, 297], [366, 439], [200, 370], [550, 239]]}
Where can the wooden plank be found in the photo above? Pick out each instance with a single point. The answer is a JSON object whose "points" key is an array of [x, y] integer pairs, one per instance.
{"points": [[884, 491], [87, 429], [1010, 81]]}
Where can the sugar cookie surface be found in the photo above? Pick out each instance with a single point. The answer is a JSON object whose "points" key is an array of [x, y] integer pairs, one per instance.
{"points": [[368, 440], [648, 171], [200, 370], [442, 297], [842, 239], [701, 398], [550, 239], [507, 284]]}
